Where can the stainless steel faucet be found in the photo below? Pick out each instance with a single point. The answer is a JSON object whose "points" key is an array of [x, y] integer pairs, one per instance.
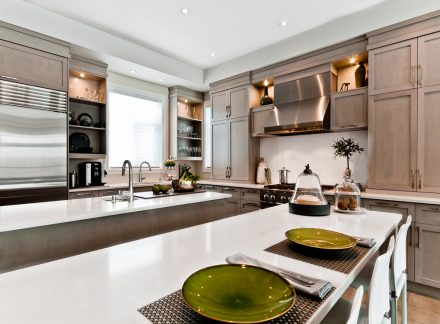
{"points": [[130, 178], [140, 170]]}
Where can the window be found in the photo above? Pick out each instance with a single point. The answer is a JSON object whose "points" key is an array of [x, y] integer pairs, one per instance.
{"points": [[135, 129], [207, 143]]}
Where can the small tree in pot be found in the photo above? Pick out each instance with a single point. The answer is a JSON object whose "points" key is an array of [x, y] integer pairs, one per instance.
{"points": [[346, 148]]}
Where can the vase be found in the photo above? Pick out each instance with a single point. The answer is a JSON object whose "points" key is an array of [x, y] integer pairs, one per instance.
{"points": [[266, 100], [359, 75]]}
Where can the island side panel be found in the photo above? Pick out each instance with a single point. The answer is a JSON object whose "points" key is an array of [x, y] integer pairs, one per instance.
{"points": [[28, 247]]}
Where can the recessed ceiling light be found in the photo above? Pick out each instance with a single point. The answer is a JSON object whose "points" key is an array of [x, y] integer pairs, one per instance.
{"points": [[160, 80], [186, 100], [184, 11], [132, 71], [352, 60], [212, 54], [82, 75], [283, 23]]}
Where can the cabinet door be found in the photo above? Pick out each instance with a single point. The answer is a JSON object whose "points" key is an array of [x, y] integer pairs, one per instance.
{"points": [[238, 102], [239, 148], [30, 66], [404, 209], [220, 149], [393, 67], [219, 101], [428, 55], [427, 270], [349, 110], [249, 206], [84, 194], [428, 175], [392, 140], [261, 117], [232, 204]]}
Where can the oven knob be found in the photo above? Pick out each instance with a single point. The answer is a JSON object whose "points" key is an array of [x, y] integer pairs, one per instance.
{"points": [[266, 197], [272, 198], [283, 199]]}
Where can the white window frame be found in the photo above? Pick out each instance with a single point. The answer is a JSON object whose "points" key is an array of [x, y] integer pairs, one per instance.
{"points": [[205, 142], [143, 94]]}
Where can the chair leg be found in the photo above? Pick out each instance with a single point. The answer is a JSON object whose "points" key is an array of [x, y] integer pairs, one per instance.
{"points": [[393, 310], [404, 304]]}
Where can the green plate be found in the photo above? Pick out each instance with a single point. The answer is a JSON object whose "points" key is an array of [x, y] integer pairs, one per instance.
{"points": [[238, 293], [320, 238]]}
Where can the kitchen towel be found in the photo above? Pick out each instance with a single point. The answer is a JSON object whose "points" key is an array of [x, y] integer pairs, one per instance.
{"points": [[306, 284]]}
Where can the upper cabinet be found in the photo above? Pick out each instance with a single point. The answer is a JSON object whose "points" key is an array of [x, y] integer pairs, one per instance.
{"points": [[403, 108], [87, 109], [393, 67], [30, 58], [349, 110], [186, 124], [230, 103]]}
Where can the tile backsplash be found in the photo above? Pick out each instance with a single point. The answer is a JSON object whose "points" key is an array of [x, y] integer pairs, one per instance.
{"points": [[294, 152]]}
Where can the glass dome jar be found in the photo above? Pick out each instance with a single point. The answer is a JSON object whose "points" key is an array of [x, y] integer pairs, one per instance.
{"points": [[308, 198], [347, 195], [308, 189]]}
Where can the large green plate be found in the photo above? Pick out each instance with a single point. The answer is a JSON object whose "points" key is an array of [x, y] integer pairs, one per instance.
{"points": [[320, 238], [238, 293]]}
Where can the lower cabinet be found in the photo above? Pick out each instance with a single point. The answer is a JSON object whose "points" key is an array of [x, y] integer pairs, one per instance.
{"points": [[84, 194], [243, 200], [404, 209], [427, 242]]}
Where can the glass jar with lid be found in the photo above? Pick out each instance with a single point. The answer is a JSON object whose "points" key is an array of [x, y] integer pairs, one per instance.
{"points": [[347, 195], [308, 198]]}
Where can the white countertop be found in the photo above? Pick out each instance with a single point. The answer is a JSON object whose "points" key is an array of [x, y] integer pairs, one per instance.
{"points": [[47, 213], [108, 286], [231, 184], [403, 197], [119, 186]]}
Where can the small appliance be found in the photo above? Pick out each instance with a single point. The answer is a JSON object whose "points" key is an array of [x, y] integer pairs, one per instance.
{"points": [[91, 174]]}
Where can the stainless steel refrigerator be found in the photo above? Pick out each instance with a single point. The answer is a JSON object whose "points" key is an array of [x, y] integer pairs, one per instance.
{"points": [[33, 144]]}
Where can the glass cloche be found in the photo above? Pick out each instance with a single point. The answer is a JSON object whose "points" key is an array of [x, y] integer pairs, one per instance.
{"points": [[348, 195], [308, 198]]}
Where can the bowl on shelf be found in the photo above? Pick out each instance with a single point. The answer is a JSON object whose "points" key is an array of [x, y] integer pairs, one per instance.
{"points": [[85, 120]]}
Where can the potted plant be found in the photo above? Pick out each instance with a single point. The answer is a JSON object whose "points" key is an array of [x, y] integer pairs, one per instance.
{"points": [[188, 180], [346, 148], [170, 163]]}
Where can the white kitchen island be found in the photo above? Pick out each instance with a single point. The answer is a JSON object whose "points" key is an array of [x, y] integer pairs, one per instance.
{"points": [[107, 286]]}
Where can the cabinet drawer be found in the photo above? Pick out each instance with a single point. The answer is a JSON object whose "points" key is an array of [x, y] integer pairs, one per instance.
{"points": [[428, 214], [83, 194], [395, 207], [249, 206], [140, 189], [209, 188], [250, 194], [235, 192], [34, 67], [108, 192]]}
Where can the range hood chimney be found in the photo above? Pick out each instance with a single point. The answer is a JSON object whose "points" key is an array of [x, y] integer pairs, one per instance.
{"points": [[302, 105]]}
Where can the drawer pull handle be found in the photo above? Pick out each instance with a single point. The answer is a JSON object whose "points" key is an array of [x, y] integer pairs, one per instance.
{"points": [[350, 125], [413, 179], [251, 204], [9, 77], [420, 178], [418, 237], [410, 235], [387, 204]]}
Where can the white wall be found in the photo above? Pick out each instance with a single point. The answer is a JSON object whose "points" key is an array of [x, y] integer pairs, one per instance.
{"points": [[294, 152]]}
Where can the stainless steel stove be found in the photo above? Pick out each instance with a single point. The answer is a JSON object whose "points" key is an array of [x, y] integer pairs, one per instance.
{"points": [[278, 194]]}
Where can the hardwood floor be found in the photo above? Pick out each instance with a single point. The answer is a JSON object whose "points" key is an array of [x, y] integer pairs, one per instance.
{"points": [[421, 309]]}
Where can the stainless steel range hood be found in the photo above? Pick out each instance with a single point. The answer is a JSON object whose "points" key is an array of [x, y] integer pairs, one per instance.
{"points": [[301, 106]]}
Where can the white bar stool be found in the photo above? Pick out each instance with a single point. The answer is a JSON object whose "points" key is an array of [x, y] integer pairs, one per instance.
{"points": [[399, 276], [379, 295], [378, 299], [356, 306]]}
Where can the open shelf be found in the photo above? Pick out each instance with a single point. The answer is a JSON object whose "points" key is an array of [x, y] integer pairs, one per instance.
{"points": [[189, 158], [189, 138], [87, 156], [86, 101], [87, 127], [189, 118]]}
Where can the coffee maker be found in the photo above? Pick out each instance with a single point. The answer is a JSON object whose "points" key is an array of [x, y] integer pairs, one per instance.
{"points": [[91, 174]]}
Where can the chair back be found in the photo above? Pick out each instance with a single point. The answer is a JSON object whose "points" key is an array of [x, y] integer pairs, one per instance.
{"points": [[379, 297], [399, 255], [356, 306]]}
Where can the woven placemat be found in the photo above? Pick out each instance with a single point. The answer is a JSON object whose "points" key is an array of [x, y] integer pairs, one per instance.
{"points": [[171, 309], [343, 261]]}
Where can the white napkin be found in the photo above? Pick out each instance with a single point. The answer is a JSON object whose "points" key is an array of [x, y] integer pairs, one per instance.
{"points": [[317, 287], [363, 241]]}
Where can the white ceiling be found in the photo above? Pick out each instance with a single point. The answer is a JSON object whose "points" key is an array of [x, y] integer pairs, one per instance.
{"points": [[168, 48], [228, 28]]}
